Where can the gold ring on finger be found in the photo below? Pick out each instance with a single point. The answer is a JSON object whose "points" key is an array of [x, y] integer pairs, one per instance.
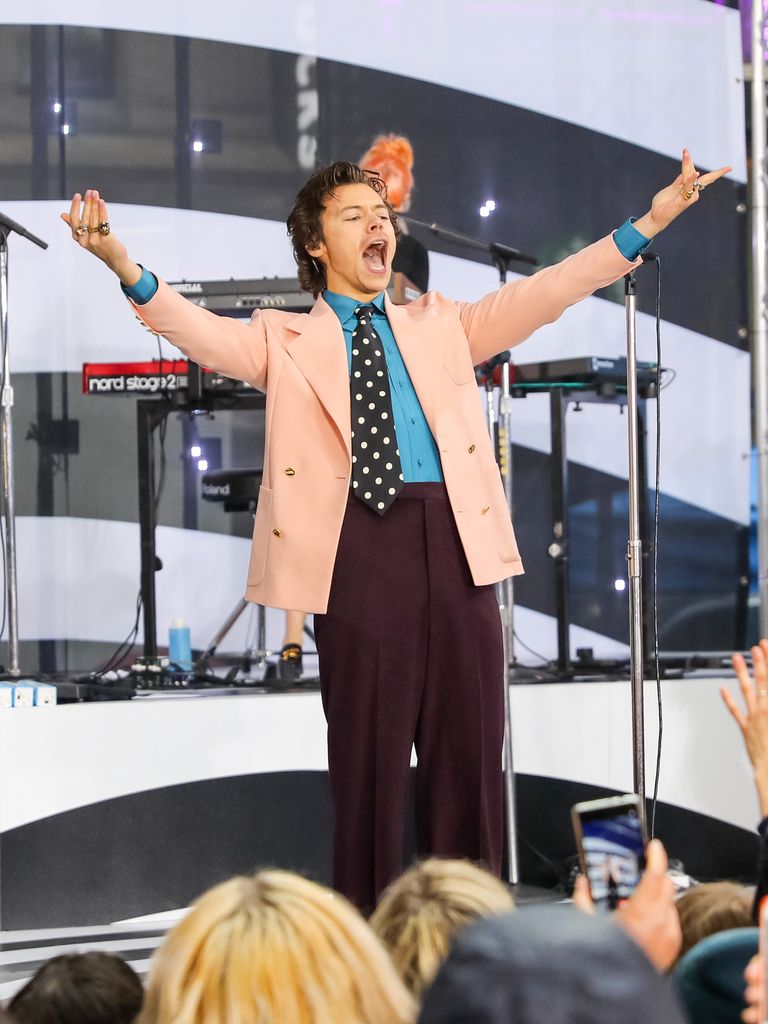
{"points": [[698, 186], [686, 194], [81, 230], [104, 227], [92, 231]]}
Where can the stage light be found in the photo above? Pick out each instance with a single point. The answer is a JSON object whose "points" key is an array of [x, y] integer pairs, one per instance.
{"points": [[490, 204], [484, 211], [619, 585], [195, 451], [202, 465], [207, 135], [62, 117]]}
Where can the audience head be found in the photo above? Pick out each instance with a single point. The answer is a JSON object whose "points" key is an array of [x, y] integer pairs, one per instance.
{"points": [[391, 156], [710, 977], [550, 964], [79, 988], [274, 949], [420, 914], [710, 908]]}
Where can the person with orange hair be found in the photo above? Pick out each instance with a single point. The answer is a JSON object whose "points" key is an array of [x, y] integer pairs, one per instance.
{"points": [[391, 157]]}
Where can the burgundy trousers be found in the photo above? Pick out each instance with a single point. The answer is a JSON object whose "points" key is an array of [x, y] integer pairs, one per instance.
{"points": [[410, 653]]}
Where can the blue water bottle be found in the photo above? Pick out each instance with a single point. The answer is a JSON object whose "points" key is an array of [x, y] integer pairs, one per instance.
{"points": [[180, 646]]}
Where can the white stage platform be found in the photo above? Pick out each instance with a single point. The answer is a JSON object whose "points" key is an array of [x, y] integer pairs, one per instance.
{"points": [[105, 800]]}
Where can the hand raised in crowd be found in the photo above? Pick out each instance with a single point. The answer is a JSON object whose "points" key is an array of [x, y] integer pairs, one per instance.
{"points": [[753, 975], [753, 718], [649, 915], [88, 220], [676, 198]]}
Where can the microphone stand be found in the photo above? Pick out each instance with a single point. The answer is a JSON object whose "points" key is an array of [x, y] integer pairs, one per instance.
{"points": [[6, 444], [501, 256], [635, 548], [498, 251]]}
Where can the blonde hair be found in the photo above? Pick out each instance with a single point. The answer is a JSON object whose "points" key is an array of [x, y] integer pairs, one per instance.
{"points": [[710, 908], [421, 913], [391, 156], [273, 949]]}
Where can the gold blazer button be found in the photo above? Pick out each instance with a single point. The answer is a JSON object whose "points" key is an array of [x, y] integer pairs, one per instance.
{"points": [[485, 510], [290, 471], [277, 532], [471, 449]]}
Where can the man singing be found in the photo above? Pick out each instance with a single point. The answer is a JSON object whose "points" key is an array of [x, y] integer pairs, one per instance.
{"points": [[382, 509]]}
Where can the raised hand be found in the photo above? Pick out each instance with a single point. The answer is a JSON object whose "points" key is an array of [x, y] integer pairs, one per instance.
{"points": [[676, 198], [649, 915], [752, 719], [88, 220]]}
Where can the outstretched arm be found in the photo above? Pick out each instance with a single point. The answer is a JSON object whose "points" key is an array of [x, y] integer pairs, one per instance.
{"points": [[510, 315], [231, 346], [676, 198], [88, 220]]}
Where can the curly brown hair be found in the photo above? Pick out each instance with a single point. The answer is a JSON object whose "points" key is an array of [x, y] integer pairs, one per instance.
{"points": [[305, 219]]}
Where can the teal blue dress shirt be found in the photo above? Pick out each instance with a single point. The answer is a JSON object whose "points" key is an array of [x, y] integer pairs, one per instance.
{"points": [[418, 451]]}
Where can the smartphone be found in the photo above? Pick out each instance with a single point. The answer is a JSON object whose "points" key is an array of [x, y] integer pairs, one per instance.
{"points": [[610, 835]]}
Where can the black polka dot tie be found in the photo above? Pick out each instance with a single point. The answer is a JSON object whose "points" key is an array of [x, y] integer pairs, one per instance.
{"points": [[377, 476]]}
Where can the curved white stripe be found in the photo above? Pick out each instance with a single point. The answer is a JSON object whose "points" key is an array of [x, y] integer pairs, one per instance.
{"points": [[49, 326], [56, 759], [79, 577], [705, 409], [633, 71], [78, 580]]}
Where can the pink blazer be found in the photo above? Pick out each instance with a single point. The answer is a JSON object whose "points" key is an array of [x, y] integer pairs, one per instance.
{"points": [[300, 361]]}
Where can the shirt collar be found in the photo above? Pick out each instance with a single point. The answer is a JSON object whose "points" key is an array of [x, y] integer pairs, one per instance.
{"points": [[344, 307]]}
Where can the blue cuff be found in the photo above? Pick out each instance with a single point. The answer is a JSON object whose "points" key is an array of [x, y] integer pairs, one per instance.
{"points": [[145, 287], [629, 241]]}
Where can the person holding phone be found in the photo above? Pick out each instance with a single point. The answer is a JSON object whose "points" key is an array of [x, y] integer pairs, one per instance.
{"points": [[385, 516]]}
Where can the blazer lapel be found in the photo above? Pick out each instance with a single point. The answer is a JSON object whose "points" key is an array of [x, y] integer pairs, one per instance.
{"points": [[420, 340], [319, 351]]}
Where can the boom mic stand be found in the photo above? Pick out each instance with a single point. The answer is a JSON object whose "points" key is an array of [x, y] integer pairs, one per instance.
{"points": [[501, 256], [6, 443]]}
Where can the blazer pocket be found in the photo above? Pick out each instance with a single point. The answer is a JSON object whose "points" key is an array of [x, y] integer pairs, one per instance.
{"points": [[262, 531]]}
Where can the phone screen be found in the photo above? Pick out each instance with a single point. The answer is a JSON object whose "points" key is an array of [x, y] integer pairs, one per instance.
{"points": [[614, 854]]}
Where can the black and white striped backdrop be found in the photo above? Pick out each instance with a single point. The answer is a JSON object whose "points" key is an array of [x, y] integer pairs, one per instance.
{"points": [[568, 115]]}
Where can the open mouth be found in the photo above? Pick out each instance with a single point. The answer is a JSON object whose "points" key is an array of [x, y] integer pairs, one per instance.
{"points": [[375, 257]]}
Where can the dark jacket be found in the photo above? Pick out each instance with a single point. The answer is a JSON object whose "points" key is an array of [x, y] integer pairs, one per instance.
{"points": [[550, 964]]}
